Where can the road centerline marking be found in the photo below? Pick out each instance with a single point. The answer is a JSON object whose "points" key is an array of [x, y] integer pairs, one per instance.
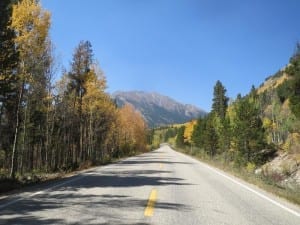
{"points": [[151, 203]]}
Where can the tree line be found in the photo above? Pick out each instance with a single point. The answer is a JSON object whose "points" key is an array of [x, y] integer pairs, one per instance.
{"points": [[47, 126]]}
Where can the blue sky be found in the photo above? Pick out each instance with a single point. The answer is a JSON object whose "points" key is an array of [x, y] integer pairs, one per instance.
{"points": [[180, 48]]}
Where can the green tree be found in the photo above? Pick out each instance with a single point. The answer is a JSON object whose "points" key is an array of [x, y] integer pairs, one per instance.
{"points": [[247, 128], [170, 133], [8, 79], [180, 137], [223, 131], [197, 136], [80, 69], [210, 138], [220, 101], [221, 123], [205, 136], [291, 88], [8, 53]]}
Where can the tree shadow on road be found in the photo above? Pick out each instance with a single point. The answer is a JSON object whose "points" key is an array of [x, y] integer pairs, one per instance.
{"points": [[129, 181], [54, 204], [67, 198], [152, 161]]}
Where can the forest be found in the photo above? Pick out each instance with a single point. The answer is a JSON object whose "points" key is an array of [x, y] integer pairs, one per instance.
{"points": [[49, 124]]}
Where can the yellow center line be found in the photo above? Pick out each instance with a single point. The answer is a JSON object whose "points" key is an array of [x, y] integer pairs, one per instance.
{"points": [[151, 202]]}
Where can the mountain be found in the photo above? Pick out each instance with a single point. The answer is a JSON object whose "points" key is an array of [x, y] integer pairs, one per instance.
{"points": [[158, 110]]}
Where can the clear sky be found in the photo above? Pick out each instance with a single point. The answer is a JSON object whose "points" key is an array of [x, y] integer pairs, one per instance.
{"points": [[180, 48]]}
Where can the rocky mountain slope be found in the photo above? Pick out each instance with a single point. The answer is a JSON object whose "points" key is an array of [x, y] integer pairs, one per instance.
{"points": [[158, 110]]}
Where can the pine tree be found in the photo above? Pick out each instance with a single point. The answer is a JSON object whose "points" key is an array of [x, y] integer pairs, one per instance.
{"points": [[80, 69], [295, 72], [220, 101], [290, 89], [8, 78], [180, 137], [247, 128], [219, 109], [210, 138], [197, 136], [8, 53]]}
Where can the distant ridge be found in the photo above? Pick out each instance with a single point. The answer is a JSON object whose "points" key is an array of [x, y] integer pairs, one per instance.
{"points": [[157, 109]]}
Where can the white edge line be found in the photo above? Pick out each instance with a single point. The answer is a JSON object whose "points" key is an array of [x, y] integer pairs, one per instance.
{"points": [[9, 203], [19, 198], [81, 175], [256, 192], [247, 188]]}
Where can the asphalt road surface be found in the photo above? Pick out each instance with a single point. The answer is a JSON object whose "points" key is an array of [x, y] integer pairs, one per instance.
{"points": [[160, 187]]}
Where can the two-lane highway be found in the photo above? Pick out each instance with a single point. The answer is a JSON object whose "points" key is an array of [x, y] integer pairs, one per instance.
{"points": [[160, 187]]}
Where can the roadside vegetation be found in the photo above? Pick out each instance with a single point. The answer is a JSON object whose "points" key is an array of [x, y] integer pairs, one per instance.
{"points": [[50, 125], [255, 137]]}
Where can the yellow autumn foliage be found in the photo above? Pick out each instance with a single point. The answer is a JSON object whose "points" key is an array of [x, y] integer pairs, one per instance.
{"points": [[267, 123], [189, 128], [272, 83], [31, 24], [132, 128], [95, 98]]}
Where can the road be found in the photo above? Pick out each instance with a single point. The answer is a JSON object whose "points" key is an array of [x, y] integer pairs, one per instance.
{"points": [[160, 187]]}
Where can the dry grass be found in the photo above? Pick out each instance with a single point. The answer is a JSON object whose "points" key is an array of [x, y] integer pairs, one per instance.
{"points": [[272, 83]]}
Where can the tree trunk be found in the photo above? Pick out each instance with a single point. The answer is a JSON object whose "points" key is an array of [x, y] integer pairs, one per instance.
{"points": [[14, 150]]}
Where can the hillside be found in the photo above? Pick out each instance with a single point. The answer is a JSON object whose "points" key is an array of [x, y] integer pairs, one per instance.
{"points": [[158, 110], [273, 82], [279, 98]]}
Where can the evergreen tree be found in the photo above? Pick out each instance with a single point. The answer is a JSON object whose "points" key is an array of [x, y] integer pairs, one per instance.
{"points": [[169, 134], [8, 79], [290, 89], [220, 101], [248, 132], [219, 109], [295, 72], [80, 69], [210, 138], [180, 137], [8, 53], [197, 136], [223, 131]]}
